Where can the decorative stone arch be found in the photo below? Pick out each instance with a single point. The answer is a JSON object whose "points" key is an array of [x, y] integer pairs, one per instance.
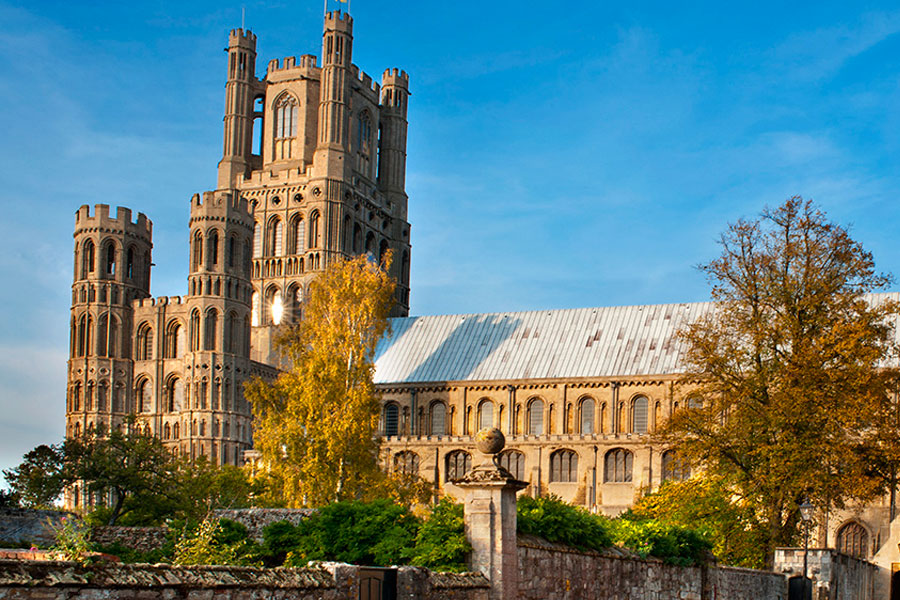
{"points": [[564, 466], [853, 538], [535, 406], [485, 414], [390, 419], [640, 414], [437, 418], [406, 462], [456, 464], [587, 411], [618, 466]]}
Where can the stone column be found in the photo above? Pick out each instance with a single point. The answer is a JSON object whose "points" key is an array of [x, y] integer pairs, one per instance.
{"points": [[490, 517]]}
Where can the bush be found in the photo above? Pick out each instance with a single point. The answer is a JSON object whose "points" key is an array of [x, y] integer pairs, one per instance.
{"points": [[215, 542], [441, 543], [555, 521], [374, 533], [674, 544]]}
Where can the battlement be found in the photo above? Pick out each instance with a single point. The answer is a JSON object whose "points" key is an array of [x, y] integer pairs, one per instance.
{"points": [[238, 38], [338, 21], [395, 77], [365, 80], [218, 203], [309, 61], [289, 63], [122, 221], [161, 301]]}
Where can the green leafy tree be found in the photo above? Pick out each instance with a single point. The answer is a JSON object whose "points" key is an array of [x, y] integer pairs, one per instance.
{"points": [[315, 426], [128, 467], [791, 369], [554, 520], [38, 480], [441, 543], [705, 503]]}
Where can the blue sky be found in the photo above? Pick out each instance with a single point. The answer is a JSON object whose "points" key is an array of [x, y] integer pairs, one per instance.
{"points": [[558, 157]]}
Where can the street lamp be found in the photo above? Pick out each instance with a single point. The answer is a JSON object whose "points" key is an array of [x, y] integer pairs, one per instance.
{"points": [[806, 514]]}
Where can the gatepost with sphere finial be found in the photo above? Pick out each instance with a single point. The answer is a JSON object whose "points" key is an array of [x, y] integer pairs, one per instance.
{"points": [[490, 516]]}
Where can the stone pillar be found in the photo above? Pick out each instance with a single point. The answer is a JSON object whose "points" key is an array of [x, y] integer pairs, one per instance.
{"points": [[490, 517]]}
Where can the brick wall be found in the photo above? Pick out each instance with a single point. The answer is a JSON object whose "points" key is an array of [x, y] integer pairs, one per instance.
{"points": [[27, 580]]}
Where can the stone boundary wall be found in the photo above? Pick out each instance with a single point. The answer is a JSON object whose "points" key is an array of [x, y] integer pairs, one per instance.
{"points": [[143, 539], [32, 580], [28, 526], [549, 570], [256, 519], [834, 574]]}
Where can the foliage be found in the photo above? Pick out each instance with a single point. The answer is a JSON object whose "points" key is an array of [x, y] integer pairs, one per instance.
{"points": [[675, 544], [214, 542], [791, 371], [201, 487], [441, 543], [132, 468], [704, 503], [374, 533], [125, 554], [554, 520], [38, 480], [316, 424], [72, 539]]}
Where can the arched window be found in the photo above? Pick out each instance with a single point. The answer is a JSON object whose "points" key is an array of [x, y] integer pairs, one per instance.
{"points": [[102, 396], [144, 396], [514, 462], [404, 269], [536, 416], [382, 251], [174, 343], [853, 540], [110, 254], [298, 235], [438, 418], [406, 463], [144, 346], [232, 333], [639, 412], [83, 343], [195, 330], [391, 418], [370, 244], [564, 466], [197, 251], [586, 409], [174, 396], [485, 414], [364, 142], [458, 463], [129, 263], [209, 329], [314, 229], [231, 251], [274, 306], [175, 430], [357, 238], [287, 112], [257, 241], [617, 466], [107, 336], [296, 298], [274, 237], [212, 248], [674, 467], [87, 259]]}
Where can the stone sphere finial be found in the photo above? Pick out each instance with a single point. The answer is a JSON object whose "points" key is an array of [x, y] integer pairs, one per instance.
{"points": [[490, 440]]}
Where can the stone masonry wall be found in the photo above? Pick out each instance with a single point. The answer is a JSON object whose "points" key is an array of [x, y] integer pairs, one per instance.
{"points": [[33, 580], [256, 519], [144, 539], [552, 571], [25, 526], [835, 576]]}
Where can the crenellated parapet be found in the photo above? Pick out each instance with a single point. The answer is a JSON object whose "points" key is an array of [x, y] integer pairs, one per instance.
{"points": [[239, 38], [339, 21], [101, 222], [226, 206]]}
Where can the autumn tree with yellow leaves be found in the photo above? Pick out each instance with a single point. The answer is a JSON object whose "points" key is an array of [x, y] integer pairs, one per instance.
{"points": [[316, 424], [795, 371]]}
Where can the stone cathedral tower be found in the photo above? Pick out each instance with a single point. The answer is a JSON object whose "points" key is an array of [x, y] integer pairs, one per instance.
{"points": [[312, 170]]}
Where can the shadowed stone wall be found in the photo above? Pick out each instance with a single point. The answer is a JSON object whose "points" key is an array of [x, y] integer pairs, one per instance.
{"points": [[27, 580]]}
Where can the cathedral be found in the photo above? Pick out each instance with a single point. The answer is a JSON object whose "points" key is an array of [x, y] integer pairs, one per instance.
{"points": [[312, 171]]}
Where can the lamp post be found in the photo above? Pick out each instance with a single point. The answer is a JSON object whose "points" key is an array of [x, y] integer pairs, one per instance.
{"points": [[806, 514]]}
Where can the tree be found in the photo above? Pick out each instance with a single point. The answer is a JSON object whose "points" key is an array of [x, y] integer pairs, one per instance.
{"points": [[316, 423], [129, 468], [791, 370], [38, 480], [706, 504]]}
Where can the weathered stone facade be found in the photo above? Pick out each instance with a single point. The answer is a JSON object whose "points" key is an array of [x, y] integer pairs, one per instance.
{"points": [[27, 526], [835, 576], [326, 182]]}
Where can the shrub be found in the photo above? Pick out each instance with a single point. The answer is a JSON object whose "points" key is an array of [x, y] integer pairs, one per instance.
{"points": [[441, 543], [72, 539], [374, 533], [674, 544], [215, 542], [554, 520]]}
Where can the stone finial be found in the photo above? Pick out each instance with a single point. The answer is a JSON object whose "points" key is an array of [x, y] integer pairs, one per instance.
{"points": [[490, 442]]}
